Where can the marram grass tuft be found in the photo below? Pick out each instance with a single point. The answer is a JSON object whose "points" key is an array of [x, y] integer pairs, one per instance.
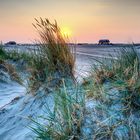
{"points": [[53, 55]]}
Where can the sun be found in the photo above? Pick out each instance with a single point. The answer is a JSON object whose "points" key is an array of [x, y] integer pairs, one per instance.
{"points": [[66, 31]]}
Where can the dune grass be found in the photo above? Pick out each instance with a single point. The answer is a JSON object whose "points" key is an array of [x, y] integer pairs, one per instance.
{"points": [[53, 55], [5, 67], [114, 83], [123, 73], [64, 121], [10, 69], [54, 48]]}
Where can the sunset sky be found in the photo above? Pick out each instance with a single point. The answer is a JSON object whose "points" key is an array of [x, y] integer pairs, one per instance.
{"points": [[87, 20]]}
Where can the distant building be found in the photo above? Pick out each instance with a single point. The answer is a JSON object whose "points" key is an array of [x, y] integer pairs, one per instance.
{"points": [[104, 42], [11, 43]]}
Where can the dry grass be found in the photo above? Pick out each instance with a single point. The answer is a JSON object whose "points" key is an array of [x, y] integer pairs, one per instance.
{"points": [[11, 71], [53, 47], [53, 55], [65, 120], [123, 74]]}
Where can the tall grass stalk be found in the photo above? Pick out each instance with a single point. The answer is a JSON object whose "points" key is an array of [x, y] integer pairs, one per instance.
{"points": [[64, 122], [53, 56]]}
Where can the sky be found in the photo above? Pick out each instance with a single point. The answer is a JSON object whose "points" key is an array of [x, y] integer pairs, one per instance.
{"points": [[86, 20]]}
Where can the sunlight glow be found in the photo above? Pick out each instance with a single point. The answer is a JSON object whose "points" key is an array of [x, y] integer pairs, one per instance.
{"points": [[66, 31]]}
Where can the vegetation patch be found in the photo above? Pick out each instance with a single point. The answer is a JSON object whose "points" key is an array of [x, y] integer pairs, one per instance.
{"points": [[113, 86], [9, 69], [3, 54], [65, 120], [53, 59], [122, 73]]}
